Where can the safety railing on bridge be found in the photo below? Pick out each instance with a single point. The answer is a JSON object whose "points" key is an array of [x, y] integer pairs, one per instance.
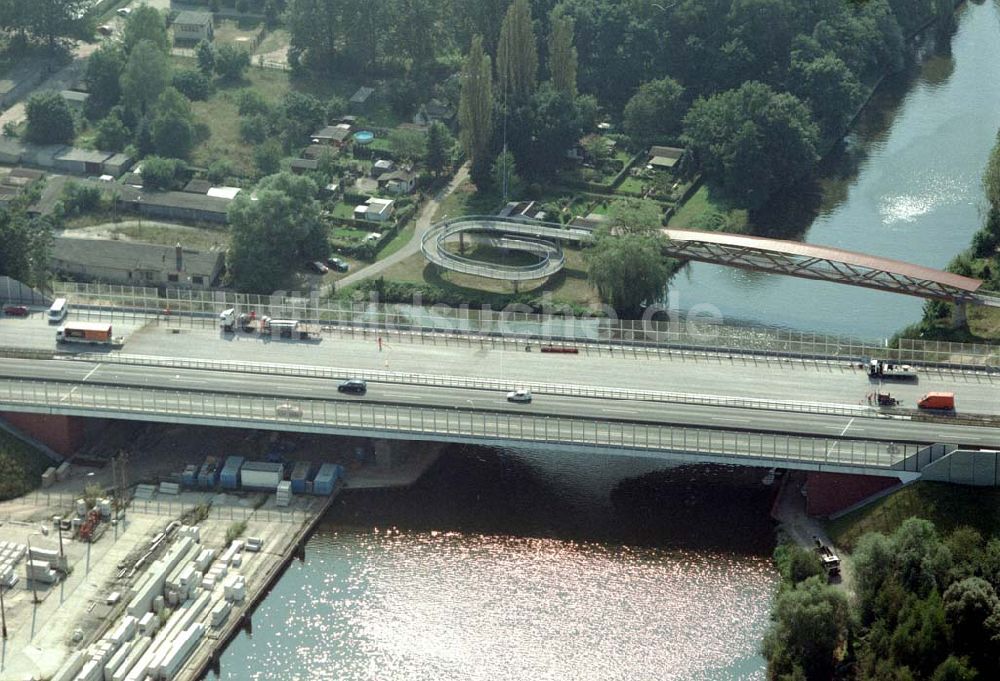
{"points": [[125, 302], [438, 423], [477, 383]]}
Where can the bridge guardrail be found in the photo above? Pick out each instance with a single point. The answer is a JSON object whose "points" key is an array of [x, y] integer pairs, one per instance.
{"points": [[380, 420], [463, 382]]}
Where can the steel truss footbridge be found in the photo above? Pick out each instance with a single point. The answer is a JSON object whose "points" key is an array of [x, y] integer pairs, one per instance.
{"points": [[775, 256]]}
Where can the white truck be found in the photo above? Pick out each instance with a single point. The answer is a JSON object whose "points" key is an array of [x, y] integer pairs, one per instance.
{"points": [[93, 333], [227, 319], [881, 368]]}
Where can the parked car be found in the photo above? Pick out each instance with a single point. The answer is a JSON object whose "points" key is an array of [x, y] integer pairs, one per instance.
{"points": [[105, 29], [520, 395], [318, 267], [123, 11], [338, 264], [15, 310], [354, 386]]}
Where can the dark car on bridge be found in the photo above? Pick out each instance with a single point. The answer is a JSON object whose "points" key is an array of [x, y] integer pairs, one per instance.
{"points": [[15, 310], [354, 386]]}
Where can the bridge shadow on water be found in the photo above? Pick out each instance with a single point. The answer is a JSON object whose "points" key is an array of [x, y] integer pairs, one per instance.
{"points": [[496, 492]]}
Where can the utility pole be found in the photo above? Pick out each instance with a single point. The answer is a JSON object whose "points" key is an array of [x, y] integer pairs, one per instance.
{"points": [[3, 616]]}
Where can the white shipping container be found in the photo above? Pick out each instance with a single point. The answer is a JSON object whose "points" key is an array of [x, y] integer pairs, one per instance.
{"points": [[116, 661], [220, 612], [181, 650], [92, 671], [138, 650], [148, 624], [265, 479], [71, 667], [204, 559]]}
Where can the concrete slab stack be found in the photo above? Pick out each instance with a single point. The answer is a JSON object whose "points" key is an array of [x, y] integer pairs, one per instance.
{"points": [[139, 649]]}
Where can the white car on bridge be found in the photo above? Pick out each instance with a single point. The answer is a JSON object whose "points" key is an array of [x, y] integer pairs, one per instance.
{"points": [[520, 395]]}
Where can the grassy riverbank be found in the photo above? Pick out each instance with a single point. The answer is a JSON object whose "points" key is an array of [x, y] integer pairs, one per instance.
{"points": [[947, 506]]}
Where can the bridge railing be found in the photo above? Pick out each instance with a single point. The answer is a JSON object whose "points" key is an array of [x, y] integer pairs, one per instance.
{"points": [[404, 422], [478, 383], [125, 302]]}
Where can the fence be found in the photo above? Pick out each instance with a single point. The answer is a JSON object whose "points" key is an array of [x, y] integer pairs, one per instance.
{"points": [[514, 324], [475, 383], [14, 291], [437, 423], [173, 507]]}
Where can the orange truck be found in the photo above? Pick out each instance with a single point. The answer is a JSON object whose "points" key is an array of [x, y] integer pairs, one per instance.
{"points": [[937, 401], [95, 333]]}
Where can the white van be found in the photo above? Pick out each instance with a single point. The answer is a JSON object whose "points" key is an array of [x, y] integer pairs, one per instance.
{"points": [[58, 311]]}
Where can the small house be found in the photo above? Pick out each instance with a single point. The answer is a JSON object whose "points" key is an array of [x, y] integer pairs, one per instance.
{"points": [[117, 164], [361, 100], [398, 182], [336, 135], [434, 111], [665, 158], [197, 187], [300, 166], [527, 210], [382, 166], [130, 262], [316, 151], [82, 161], [75, 100], [375, 210], [228, 193], [193, 27]]}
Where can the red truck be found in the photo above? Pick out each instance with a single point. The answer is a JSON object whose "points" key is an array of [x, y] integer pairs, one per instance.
{"points": [[942, 401], [95, 333]]}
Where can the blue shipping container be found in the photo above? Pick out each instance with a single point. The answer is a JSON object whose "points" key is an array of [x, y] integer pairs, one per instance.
{"points": [[209, 475], [190, 476], [299, 477], [230, 478], [326, 478]]}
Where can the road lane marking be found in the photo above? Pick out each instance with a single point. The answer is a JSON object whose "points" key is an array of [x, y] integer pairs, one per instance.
{"points": [[619, 411], [738, 419], [96, 367], [847, 426]]}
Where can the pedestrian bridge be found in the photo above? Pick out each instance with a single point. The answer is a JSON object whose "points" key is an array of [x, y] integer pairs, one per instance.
{"points": [[775, 256]]}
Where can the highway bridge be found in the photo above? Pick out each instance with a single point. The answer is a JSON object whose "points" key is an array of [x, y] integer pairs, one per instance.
{"points": [[767, 411], [775, 256]]}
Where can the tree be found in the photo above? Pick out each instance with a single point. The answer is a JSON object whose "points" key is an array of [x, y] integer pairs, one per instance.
{"points": [[955, 669], [25, 247], [145, 23], [517, 55], [172, 127], [629, 216], [809, 622], [408, 145], [275, 232], [831, 90], [505, 177], [475, 110], [972, 610], [439, 144], [145, 77], [55, 19], [220, 170], [991, 177], [303, 115], [192, 84], [628, 269], [654, 114], [752, 141], [540, 131], [562, 54], [267, 157], [205, 54], [78, 199], [231, 62], [796, 563], [103, 75], [111, 133], [160, 173], [49, 119]]}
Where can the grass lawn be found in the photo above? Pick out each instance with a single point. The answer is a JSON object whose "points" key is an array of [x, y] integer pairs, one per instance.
{"points": [[703, 211], [275, 40], [402, 238], [191, 237], [21, 467], [343, 210], [631, 185], [227, 32], [492, 254], [569, 286], [947, 506], [465, 200]]}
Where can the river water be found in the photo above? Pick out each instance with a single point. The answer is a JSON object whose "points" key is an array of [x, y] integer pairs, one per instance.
{"points": [[527, 565], [905, 186]]}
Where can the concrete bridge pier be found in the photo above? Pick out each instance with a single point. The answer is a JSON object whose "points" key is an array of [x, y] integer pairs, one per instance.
{"points": [[959, 318]]}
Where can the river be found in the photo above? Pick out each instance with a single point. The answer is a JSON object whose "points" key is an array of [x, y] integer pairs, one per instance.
{"points": [[527, 565], [906, 185]]}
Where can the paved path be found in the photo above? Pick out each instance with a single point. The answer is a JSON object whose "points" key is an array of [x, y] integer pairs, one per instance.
{"points": [[424, 222]]}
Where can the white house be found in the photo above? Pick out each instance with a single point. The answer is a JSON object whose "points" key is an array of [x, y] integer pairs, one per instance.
{"points": [[375, 210]]}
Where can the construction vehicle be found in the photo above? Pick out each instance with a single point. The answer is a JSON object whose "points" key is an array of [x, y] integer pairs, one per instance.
{"points": [[881, 368], [829, 559], [227, 320], [886, 400], [94, 333], [939, 401], [90, 523]]}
